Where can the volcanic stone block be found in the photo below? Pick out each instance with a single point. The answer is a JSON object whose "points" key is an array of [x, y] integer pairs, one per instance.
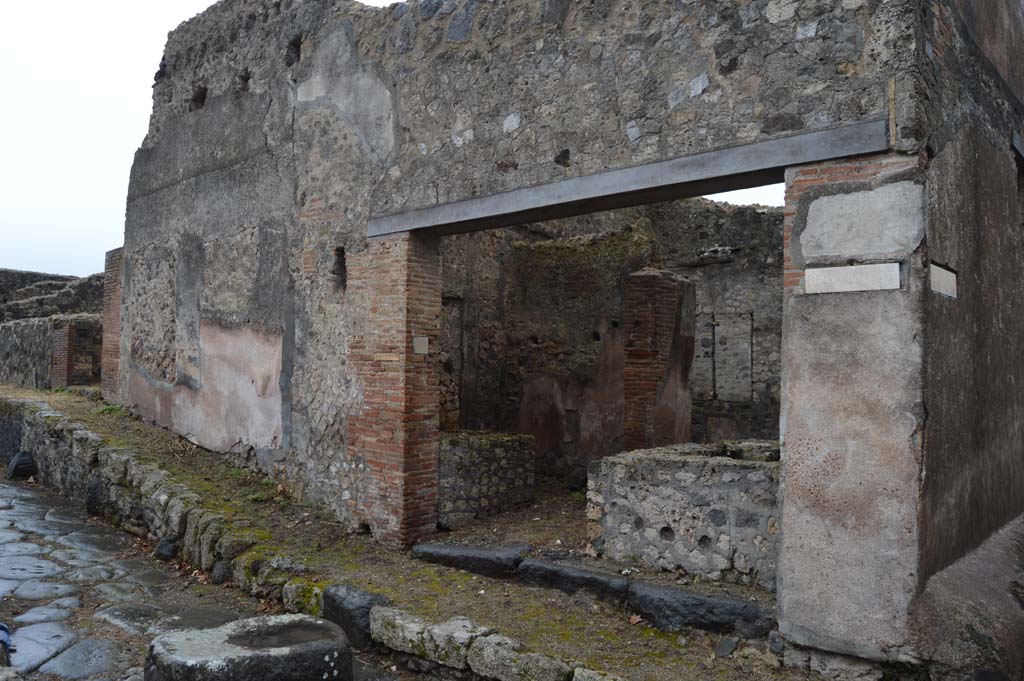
{"points": [[349, 608], [500, 562], [671, 609], [572, 579], [283, 648]]}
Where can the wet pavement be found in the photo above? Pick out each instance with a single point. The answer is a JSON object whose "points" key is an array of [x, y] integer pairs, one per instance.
{"points": [[83, 601]]}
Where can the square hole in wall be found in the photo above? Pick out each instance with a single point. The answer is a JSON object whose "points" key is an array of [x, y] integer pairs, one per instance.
{"points": [[340, 269]]}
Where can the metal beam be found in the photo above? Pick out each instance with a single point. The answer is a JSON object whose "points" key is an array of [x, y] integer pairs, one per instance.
{"points": [[739, 167]]}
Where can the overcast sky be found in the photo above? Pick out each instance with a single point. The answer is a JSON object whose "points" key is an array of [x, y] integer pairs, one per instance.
{"points": [[77, 80]]}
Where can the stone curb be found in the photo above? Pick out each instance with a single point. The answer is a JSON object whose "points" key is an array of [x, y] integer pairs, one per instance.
{"points": [[501, 562], [666, 608], [459, 644], [144, 500]]}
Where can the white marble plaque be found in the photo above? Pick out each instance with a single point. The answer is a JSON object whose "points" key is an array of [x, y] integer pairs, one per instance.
{"points": [[883, 277]]}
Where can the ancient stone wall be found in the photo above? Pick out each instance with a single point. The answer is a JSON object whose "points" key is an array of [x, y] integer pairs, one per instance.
{"points": [[51, 297], [27, 350], [532, 337], [17, 281], [279, 128], [691, 508], [75, 359], [975, 77], [481, 474]]}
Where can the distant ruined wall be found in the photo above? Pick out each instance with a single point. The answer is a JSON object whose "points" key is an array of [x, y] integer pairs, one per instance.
{"points": [[53, 296], [278, 128], [27, 351], [14, 280]]}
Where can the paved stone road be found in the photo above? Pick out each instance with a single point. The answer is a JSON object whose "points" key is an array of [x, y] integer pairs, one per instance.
{"points": [[84, 603]]}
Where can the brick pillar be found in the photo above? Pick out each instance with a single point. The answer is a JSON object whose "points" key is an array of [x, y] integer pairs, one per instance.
{"points": [[61, 358], [659, 315], [111, 352], [396, 430]]}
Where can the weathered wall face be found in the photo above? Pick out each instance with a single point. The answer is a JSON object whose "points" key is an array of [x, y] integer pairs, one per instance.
{"points": [[973, 481], [279, 128], [853, 414]]}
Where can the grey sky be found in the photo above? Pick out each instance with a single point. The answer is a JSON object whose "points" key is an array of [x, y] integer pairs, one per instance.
{"points": [[77, 79]]}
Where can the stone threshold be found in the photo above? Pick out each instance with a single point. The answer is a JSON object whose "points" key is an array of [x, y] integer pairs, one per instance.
{"points": [[667, 608], [147, 501]]}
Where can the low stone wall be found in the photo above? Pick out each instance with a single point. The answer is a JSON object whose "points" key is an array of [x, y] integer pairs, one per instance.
{"points": [[481, 474], [27, 349], [710, 511], [145, 500]]}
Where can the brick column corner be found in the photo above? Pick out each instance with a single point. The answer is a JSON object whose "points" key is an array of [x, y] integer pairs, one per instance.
{"points": [[110, 358], [659, 313], [60, 359], [396, 430]]}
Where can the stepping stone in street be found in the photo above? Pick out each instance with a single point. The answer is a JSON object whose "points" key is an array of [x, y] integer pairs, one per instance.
{"points": [[37, 643], [134, 618], [39, 591], [103, 541], [20, 549], [117, 592], [9, 536], [150, 577], [49, 529], [94, 573], [66, 515], [42, 614], [84, 659], [80, 557], [8, 586], [71, 602], [27, 567], [283, 648]]}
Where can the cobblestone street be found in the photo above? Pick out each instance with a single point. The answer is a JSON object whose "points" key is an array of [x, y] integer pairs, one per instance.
{"points": [[83, 601]]}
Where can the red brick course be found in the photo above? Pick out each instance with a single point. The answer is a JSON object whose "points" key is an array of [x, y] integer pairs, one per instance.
{"points": [[110, 360], [396, 431], [801, 179], [653, 302]]}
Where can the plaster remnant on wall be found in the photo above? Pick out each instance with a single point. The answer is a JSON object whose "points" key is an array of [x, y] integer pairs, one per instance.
{"points": [[887, 222], [362, 100], [881, 277]]}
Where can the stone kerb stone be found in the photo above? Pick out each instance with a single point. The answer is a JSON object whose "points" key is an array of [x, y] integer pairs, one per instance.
{"points": [[142, 499]]}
